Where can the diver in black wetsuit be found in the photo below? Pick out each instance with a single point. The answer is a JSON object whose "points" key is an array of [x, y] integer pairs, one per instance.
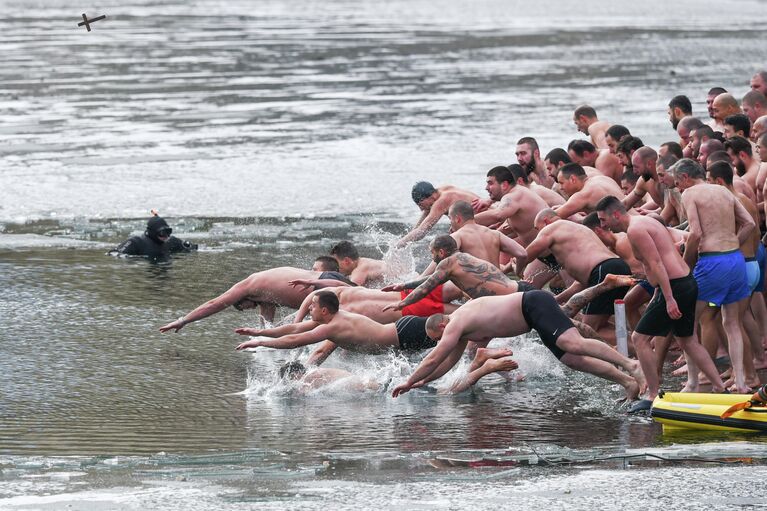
{"points": [[155, 243]]}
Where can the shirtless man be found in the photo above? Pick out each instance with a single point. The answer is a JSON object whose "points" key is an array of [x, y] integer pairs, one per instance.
{"points": [[719, 224], [645, 162], [678, 108], [580, 252], [737, 125], [685, 129], [361, 270], [723, 106], [473, 276], [758, 129], [626, 148], [529, 157], [480, 241], [516, 314], [266, 289], [710, 97], [759, 82], [584, 192], [347, 330], [516, 205], [673, 211], [551, 197], [707, 148], [613, 136], [586, 155], [585, 119], [673, 304], [741, 154], [434, 204], [754, 105]]}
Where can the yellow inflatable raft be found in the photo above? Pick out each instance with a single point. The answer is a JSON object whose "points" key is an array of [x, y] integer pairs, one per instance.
{"points": [[677, 410]]}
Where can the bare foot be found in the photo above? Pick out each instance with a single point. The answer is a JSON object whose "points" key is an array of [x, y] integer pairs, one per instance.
{"points": [[638, 375], [632, 391], [614, 281], [679, 372], [679, 361], [501, 364], [485, 354], [689, 388]]}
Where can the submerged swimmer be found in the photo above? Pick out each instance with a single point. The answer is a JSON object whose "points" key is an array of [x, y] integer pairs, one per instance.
{"points": [[155, 243]]}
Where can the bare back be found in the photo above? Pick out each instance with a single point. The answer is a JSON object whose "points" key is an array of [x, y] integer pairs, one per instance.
{"points": [[551, 197], [369, 302], [577, 249], [479, 241], [474, 276], [489, 317], [712, 208], [643, 230], [598, 187], [272, 286], [449, 194], [527, 205], [355, 332]]}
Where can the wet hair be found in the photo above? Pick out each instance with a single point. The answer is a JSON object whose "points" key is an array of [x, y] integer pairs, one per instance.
{"points": [[529, 141], [501, 174], [617, 132], [586, 111], [690, 123], [687, 167], [518, 172], [628, 144], [738, 144], [630, 176], [682, 103], [292, 370], [668, 160], [674, 148], [716, 91], [462, 209], [572, 169], [705, 131], [754, 97], [723, 170], [422, 190], [739, 122], [558, 155], [592, 220], [344, 249], [327, 263], [581, 146], [445, 242], [610, 203], [716, 156], [328, 300]]}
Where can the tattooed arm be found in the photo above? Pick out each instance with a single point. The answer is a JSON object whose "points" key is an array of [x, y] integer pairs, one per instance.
{"points": [[440, 276]]}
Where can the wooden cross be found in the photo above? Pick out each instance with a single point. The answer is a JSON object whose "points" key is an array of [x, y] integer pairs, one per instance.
{"points": [[87, 22]]}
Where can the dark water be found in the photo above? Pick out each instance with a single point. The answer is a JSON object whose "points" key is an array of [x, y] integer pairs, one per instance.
{"points": [[266, 132]]}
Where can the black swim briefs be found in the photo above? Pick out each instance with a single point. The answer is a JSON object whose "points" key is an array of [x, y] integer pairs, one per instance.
{"points": [[523, 285], [551, 262], [334, 275], [604, 303], [656, 321], [411, 332], [543, 314]]}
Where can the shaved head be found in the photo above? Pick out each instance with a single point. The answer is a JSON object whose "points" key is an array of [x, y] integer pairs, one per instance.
{"points": [[725, 105], [544, 218]]}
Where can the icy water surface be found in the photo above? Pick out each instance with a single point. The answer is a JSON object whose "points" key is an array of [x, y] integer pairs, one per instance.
{"points": [[265, 132]]}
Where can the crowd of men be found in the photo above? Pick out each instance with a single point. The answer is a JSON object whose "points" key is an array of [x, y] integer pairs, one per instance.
{"points": [[675, 231]]}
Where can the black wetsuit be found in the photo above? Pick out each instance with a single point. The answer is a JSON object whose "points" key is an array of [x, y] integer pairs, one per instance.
{"points": [[150, 245]]}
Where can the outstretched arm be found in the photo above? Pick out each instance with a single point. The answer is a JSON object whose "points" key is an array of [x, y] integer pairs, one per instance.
{"points": [[304, 309], [236, 293], [515, 250], [450, 341], [290, 328], [440, 276], [575, 204], [424, 225], [289, 342], [323, 351]]}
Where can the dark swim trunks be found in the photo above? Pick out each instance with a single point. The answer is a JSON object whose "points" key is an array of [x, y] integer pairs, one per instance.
{"points": [[523, 286], [334, 275], [411, 332], [426, 306], [656, 321], [605, 303], [551, 262], [543, 314], [645, 284]]}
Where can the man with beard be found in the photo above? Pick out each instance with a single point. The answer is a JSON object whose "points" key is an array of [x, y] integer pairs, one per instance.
{"points": [[626, 148], [529, 156], [710, 97], [759, 82], [585, 119], [746, 165], [645, 162], [737, 125], [583, 191], [754, 105], [613, 135], [585, 154], [685, 129], [678, 108], [708, 148]]}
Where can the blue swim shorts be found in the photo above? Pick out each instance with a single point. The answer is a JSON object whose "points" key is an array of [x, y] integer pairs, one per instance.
{"points": [[721, 277]]}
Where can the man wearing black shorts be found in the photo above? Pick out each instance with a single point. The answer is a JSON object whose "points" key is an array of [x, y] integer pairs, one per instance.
{"points": [[672, 308]]}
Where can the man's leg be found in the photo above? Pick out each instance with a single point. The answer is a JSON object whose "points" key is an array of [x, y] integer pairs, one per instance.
{"points": [[699, 359], [603, 370], [580, 299], [731, 323], [648, 361]]}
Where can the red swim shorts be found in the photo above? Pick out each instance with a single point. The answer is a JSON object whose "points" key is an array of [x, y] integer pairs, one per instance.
{"points": [[428, 305]]}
